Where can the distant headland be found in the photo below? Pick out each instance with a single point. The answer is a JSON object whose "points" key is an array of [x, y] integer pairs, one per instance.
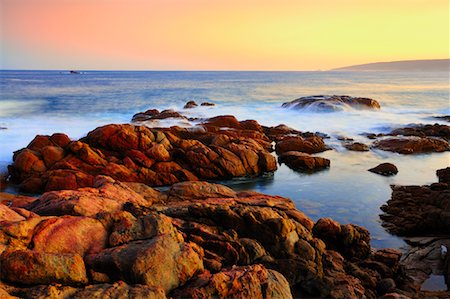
{"points": [[404, 65]]}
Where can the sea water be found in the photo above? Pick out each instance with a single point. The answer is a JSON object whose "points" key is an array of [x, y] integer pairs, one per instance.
{"points": [[45, 102]]}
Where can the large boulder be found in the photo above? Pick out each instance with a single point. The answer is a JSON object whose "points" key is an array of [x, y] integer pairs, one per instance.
{"points": [[385, 169], [164, 261], [331, 103], [198, 190]]}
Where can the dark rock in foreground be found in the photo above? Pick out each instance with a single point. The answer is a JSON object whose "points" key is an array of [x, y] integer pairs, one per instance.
{"points": [[356, 146], [331, 103], [185, 243], [385, 169]]}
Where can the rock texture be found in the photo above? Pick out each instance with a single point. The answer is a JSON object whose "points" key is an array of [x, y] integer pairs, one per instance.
{"points": [[416, 210], [309, 145], [436, 130], [327, 103], [422, 213], [196, 240], [412, 145], [155, 157], [356, 146], [302, 161], [385, 169]]}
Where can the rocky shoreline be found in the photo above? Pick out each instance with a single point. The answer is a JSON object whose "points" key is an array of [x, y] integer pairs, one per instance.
{"points": [[198, 239]]}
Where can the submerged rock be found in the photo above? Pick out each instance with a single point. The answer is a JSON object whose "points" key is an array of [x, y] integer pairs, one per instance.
{"points": [[385, 169], [331, 103]]}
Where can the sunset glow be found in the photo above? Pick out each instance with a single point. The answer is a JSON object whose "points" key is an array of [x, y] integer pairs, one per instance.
{"points": [[219, 35]]}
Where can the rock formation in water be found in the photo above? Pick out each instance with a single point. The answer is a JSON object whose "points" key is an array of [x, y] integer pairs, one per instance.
{"points": [[332, 103], [220, 148]]}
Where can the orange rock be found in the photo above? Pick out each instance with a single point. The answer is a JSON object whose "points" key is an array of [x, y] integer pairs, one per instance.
{"points": [[69, 234], [52, 154], [159, 153], [309, 145]]}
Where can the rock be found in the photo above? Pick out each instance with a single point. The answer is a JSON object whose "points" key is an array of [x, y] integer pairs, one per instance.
{"points": [[207, 104], [385, 285], [356, 146], [109, 196], [436, 130], [198, 190], [443, 117], [302, 161], [415, 210], [153, 114], [326, 103], [279, 132], [224, 121], [385, 169], [15, 200], [190, 104], [7, 214], [412, 145], [120, 290], [68, 234], [32, 267], [164, 261], [248, 281], [310, 145], [150, 156]]}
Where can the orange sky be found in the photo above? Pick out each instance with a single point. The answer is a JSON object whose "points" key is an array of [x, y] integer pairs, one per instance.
{"points": [[219, 34]]}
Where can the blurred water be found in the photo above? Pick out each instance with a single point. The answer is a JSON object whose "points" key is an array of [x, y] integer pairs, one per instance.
{"points": [[45, 102]]}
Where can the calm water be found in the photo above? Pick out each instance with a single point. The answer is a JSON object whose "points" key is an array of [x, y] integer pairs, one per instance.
{"points": [[38, 102]]}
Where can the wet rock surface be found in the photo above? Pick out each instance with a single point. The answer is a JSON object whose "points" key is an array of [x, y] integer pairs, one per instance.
{"points": [[385, 169], [195, 240], [331, 103]]}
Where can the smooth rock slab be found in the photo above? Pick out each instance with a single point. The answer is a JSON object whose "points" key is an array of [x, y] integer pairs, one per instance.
{"points": [[32, 267]]}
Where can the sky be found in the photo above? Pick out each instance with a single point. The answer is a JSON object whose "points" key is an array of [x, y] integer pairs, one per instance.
{"points": [[219, 34]]}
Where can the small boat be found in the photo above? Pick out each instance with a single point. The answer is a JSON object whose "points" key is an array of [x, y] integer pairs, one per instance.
{"points": [[74, 72]]}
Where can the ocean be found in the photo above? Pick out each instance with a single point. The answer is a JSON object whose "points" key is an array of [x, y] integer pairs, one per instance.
{"points": [[46, 102]]}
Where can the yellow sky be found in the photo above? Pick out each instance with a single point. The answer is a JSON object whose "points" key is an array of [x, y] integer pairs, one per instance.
{"points": [[219, 34]]}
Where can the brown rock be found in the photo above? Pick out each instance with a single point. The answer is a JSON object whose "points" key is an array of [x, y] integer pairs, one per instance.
{"points": [[32, 267], [108, 196], [385, 169], [190, 104], [356, 146], [198, 190], [436, 130], [52, 154], [68, 234], [7, 214], [412, 145], [247, 282], [159, 153], [302, 161], [309, 145], [163, 261]]}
